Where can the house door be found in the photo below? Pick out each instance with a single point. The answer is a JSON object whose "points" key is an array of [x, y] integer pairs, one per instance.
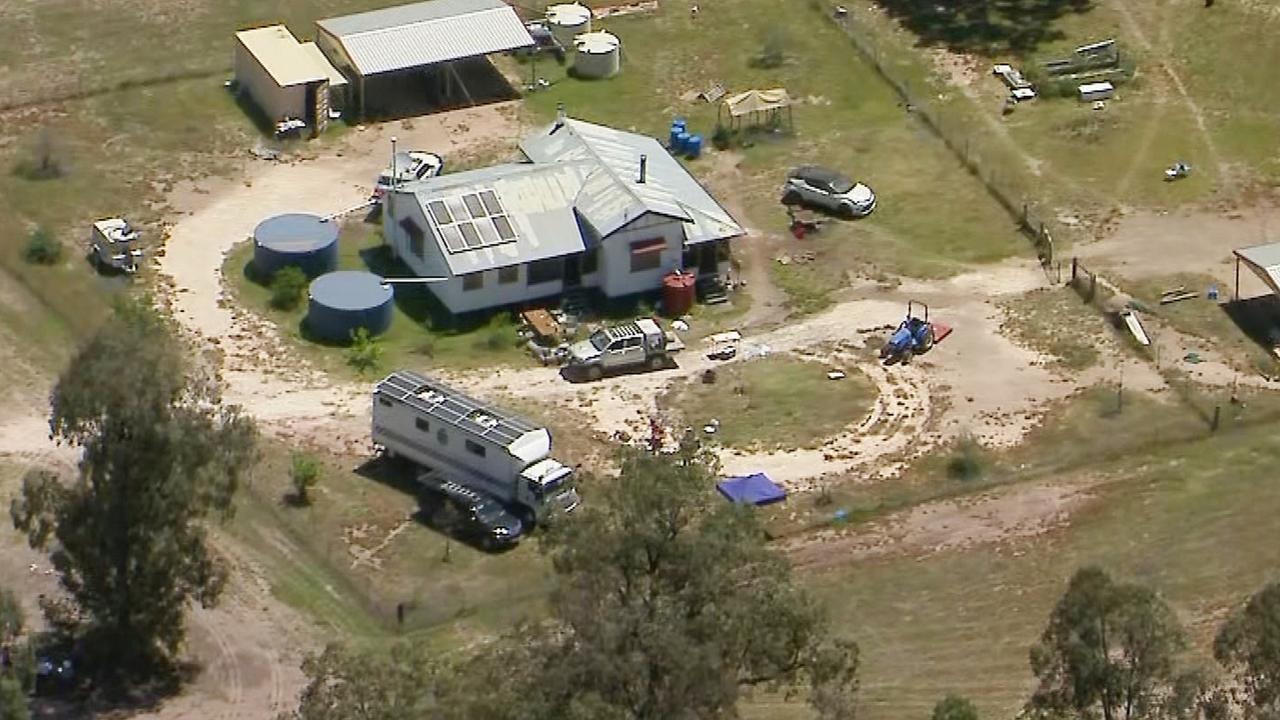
{"points": [[707, 259], [573, 271]]}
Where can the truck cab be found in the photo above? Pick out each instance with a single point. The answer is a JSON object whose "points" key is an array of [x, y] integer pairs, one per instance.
{"points": [[634, 344], [549, 485]]}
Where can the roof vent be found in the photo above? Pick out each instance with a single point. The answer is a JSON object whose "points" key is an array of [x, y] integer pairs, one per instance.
{"points": [[485, 421], [431, 395]]}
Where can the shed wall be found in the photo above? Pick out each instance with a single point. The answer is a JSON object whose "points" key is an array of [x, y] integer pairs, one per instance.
{"points": [[275, 102]]}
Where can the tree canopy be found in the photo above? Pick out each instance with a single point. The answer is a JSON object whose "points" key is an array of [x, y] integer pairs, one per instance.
{"points": [[1109, 649], [159, 455], [1248, 646], [954, 707], [667, 604]]}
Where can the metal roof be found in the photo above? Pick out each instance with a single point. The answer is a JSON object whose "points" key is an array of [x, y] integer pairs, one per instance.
{"points": [[537, 200], [454, 408], [426, 33], [613, 197], [336, 79], [283, 57], [1264, 261]]}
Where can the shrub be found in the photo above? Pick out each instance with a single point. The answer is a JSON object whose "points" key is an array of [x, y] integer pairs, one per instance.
{"points": [[43, 248], [954, 707], [304, 473], [365, 352], [43, 161], [722, 138], [967, 462], [773, 49], [287, 288]]}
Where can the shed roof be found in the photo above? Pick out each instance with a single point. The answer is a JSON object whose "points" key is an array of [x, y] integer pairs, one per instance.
{"points": [[426, 33], [1264, 261], [336, 78], [283, 57], [613, 197], [537, 200]]}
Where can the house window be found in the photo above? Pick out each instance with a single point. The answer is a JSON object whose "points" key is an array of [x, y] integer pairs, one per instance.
{"points": [[545, 271], [646, 255], [591, 260], [475, 448], [384, 402], [415, 236], [442, 437], [508, 275], [474, 281], [422, 424]]}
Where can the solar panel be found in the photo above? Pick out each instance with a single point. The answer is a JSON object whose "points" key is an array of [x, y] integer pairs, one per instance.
{"points": [[474, 206], [503, 226], [471, 221], [440, 213], [452, 239], [490, 199], [470, 235]]}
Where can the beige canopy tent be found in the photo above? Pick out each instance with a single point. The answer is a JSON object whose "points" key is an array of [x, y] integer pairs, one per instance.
{"points": [[757, 105]]}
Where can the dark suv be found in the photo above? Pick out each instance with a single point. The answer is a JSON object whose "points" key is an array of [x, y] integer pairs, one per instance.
{"points": [[480, 518]]}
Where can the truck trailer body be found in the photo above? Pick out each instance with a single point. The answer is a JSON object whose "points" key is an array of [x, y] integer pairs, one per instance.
{"points": [[455, 437]]}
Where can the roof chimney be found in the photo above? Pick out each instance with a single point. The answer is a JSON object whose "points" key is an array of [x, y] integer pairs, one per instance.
{"points": [[644, 168]]}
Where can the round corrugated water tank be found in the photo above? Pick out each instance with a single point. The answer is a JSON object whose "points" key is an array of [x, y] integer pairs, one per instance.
{"points": [[308, 241], [568, 21], [340, 302], [597, 55]]}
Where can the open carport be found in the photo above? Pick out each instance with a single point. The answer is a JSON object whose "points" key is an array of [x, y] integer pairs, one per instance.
{"points": [[408, 59]]}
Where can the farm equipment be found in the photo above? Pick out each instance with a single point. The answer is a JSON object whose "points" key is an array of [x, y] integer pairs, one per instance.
{"points": [[915, 335]]}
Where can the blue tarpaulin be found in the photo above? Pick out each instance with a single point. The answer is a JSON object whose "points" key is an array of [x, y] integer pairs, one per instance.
{"points": [[756, 489]]}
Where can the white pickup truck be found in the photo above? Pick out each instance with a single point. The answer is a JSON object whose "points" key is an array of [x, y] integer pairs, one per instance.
{"points": [[641, 343]]}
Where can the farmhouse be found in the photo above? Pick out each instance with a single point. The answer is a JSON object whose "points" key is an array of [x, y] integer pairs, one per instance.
{"points": [[431, 50], [287, 79], [592, 207]]}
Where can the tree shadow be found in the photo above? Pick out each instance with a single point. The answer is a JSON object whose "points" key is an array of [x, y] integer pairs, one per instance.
{"points": [[985, 27]]}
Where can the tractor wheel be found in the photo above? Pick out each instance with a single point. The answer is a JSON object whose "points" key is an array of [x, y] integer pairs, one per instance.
{"points": [[594, 372], [791, 197], [906, 356], [927, 341], [885, 351]]}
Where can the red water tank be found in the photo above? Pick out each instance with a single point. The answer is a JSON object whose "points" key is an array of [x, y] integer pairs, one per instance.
{"points": [[678, 293]]}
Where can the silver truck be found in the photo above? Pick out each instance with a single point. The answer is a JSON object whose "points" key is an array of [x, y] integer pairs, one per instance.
{"points": [[113, 245], [637, 344], [453, 437]]}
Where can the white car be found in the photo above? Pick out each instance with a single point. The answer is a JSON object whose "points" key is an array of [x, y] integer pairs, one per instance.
{"points": [[113, 245], [409, 166], [828, 189]]}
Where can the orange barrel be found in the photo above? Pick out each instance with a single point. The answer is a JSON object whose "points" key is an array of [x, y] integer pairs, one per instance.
{"points": [[678, 293]]}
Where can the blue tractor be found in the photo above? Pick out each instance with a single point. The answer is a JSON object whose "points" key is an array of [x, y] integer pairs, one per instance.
{"points": [[914, 336]]}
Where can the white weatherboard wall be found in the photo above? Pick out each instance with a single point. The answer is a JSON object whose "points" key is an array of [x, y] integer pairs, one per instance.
{"points": [[275, 102], [616, 278], [492, 294]]}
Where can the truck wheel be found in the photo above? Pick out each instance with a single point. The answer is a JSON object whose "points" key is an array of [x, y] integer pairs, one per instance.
{"points": [[791, 197], [657, 362], [594, 372]]}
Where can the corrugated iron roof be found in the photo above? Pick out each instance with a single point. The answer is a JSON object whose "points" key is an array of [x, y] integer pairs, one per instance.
{"points": [[538, 200], [1264, 261], [426, 33], [614, 197]]}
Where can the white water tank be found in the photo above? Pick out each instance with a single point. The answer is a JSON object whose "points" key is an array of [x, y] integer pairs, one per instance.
{"points": [[597, 55], [568, 21]]}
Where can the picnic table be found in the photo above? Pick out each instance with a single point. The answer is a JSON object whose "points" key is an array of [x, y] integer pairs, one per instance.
{"points": [[543, 324]]}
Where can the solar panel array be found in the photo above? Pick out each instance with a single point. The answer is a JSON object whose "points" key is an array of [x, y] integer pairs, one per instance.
{"points": [[471, 221]]}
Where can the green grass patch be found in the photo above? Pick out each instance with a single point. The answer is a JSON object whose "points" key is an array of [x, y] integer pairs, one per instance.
{"points": [[1058, 323], [1204, 319], [421, 334], [773, 403]]}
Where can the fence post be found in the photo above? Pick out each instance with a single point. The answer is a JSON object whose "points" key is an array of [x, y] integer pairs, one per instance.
{"points": [[1093, 286], [1075, 268], [1217, 415]]}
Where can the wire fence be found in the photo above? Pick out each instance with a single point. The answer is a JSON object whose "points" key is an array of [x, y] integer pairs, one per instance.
{"points": [[990, 157]]}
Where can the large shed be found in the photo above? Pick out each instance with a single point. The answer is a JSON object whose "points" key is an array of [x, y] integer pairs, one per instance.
{"points": [[287, 79], [433, 39]]}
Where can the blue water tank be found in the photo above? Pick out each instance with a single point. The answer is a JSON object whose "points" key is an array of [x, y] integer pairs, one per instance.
{"points": [[339, 302], [306, 241], [694, 146], [676, 129], [681, 144]]}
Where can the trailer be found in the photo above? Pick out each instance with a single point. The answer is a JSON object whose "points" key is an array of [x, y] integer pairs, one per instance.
{"points": [[113, 245], [453, 437]]}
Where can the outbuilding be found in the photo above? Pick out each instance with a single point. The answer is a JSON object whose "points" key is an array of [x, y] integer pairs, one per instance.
{"points": [[287, 79], [1092, 92], [429, 51]]}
